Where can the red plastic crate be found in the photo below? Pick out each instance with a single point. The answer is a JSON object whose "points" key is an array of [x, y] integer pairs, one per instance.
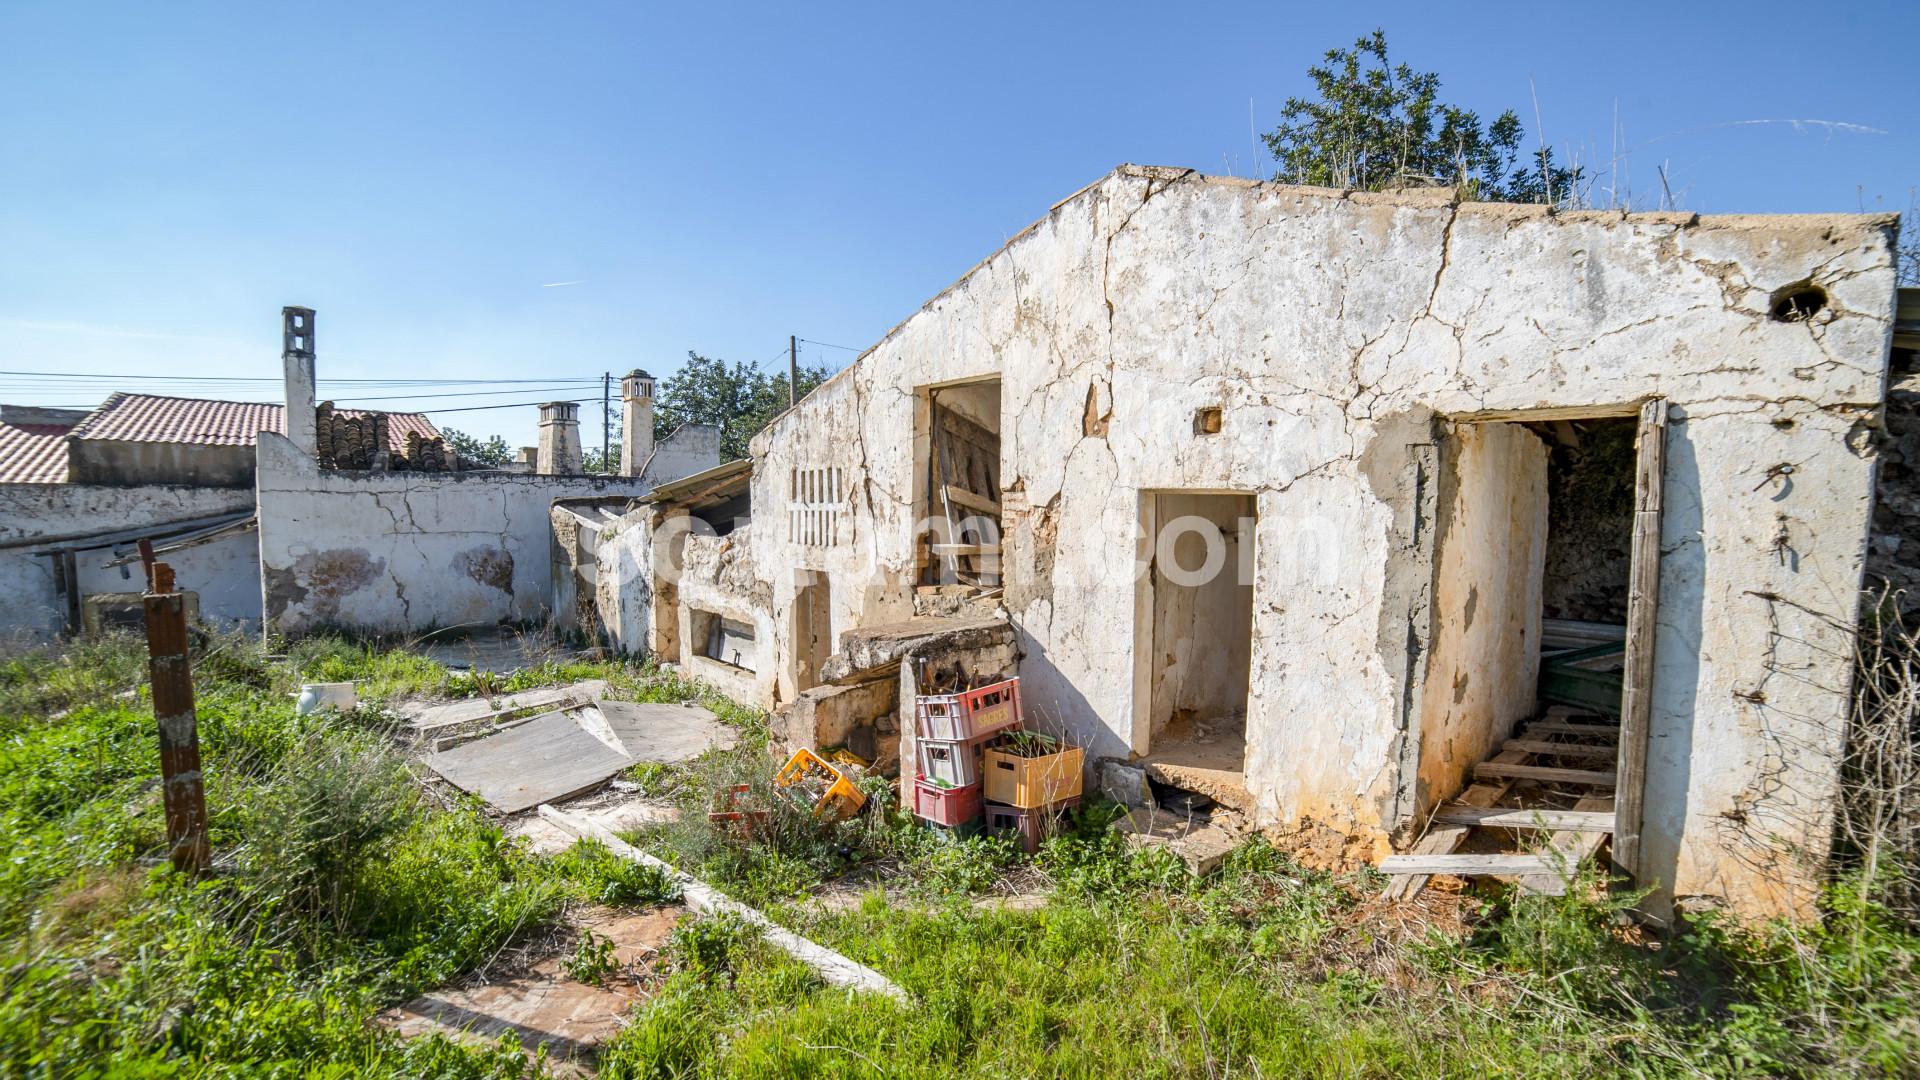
{"points": [[970, 715], [945, 806]]}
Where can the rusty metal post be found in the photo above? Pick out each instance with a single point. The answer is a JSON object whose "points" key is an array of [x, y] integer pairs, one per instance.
{"points": [[172, 679]]}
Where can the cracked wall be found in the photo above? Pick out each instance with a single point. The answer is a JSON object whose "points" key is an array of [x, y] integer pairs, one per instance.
{"points": [[407, 551], [1318, 322], [224, 573]]}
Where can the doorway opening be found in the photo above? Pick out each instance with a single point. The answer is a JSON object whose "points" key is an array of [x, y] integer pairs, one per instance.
{"points": [[1194, 647], [1538, 680], [960, 503], [812, 630]]}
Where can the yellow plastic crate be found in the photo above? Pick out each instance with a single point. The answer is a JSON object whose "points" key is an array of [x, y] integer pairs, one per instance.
{"points": [[826, 787], [1031, 782]]}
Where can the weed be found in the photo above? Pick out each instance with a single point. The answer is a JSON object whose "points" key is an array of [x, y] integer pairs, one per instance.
{"points": [[592, 960]]}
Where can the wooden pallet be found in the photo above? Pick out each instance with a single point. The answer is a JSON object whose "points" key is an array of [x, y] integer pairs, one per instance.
{"points": [[1574, 835]]}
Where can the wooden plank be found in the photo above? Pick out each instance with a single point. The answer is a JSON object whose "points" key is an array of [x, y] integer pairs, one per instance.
{"points": [[966, 549], [1500, 770], [1466, 865], [1560, 749], [1572, 848], [962, 497], [1445, 838], [1643, 599], [1561, 727], [1505, 818], [833, 967]]}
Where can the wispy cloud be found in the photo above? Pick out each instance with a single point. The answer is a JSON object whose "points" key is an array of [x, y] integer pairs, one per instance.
{"points": [[561, 284], [1829, 127]]}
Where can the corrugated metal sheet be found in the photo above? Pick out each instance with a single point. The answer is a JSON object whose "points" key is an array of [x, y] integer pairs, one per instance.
{"points": [[204, 422], [33, 453]]}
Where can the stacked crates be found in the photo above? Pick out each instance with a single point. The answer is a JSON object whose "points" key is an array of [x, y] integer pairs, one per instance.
{"points": [[948, 732], [977, 764]]}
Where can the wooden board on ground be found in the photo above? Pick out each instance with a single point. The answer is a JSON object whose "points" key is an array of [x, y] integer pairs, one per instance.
{"points": [[1573, 847], [1445, 838], [1504, 818], [1466, 864], [1497, 769]]}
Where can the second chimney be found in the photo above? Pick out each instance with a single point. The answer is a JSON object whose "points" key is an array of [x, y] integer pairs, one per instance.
{"points": [[560, 439], [636, 424]]}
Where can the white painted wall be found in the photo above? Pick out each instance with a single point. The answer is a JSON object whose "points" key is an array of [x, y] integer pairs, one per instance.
{"points": [[403, 551], [1331, 329], [225, 573]]}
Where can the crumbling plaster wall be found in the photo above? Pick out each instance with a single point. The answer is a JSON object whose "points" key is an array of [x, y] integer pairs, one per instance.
{"points": [[34, 517], [1485, 663], [719, 575], [391, 552], [1330, 328]]}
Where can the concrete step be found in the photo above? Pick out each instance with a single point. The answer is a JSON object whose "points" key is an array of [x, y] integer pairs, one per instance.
{"points": [[1228, 787], [1202, 843]]}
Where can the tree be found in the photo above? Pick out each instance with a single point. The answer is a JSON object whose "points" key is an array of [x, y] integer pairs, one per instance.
{"points": [[736, 398], [1377, 125], [493, 453]]}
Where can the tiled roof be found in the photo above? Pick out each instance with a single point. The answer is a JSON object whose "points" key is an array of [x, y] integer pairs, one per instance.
{"points": [[151, 418], [37, 453], [33, 453]]}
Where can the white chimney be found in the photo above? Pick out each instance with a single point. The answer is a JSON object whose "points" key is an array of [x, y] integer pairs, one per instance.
{"points": [[560, 439], [636, 427], [296, 360]]}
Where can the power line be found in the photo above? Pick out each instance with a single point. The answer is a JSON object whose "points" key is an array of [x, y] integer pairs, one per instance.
{"points": [[510, 405], [830, 345], [470, 393], [192, 379]]}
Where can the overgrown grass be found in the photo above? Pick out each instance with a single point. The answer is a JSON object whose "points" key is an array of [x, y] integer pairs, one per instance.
{"points": [[338, 889]]}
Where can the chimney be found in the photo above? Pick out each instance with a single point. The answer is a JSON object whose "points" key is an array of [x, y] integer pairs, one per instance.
{"points": [[296, 360], [529, 460], [560, 439], [636, 427]]}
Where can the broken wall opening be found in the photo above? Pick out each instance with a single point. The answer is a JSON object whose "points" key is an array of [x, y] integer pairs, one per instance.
{"points": [[1194, 650], [960, 483], [727, 641], [812, 629]]}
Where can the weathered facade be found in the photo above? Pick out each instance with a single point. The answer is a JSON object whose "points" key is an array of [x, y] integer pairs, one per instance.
{"points": [[1366, 393]]}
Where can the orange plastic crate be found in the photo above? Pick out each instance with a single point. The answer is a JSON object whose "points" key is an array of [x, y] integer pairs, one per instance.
{"points": [[826, 787], [1031, 782]]}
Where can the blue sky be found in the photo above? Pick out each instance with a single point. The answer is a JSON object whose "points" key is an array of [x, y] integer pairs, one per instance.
{"points": [[715, 179]]}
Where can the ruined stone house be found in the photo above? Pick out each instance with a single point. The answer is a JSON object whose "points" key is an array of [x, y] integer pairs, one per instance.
{"points": [[79, 488], [293, 517], [1410, 429]]}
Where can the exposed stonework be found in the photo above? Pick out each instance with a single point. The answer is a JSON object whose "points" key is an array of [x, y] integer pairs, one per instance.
{"points": [[1327, 353]]}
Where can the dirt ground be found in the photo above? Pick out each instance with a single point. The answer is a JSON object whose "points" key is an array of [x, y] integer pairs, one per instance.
{"points": [[531, 994]]}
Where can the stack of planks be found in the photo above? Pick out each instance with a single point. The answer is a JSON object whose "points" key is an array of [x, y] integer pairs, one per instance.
{"points": [[964, 482], [1581, 750]]}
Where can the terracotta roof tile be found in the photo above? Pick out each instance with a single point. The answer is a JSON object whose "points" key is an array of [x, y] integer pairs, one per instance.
{"points": [[33, 453], [37, 453], [151, 418]]}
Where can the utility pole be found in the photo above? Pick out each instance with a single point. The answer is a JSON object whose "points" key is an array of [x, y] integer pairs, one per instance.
{"points": [[606, 421], [793, 370], [167, 667]]}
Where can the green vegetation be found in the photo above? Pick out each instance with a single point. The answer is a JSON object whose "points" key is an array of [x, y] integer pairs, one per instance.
{"points": [[737, 398], [341, 890], [1374, 124]]}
